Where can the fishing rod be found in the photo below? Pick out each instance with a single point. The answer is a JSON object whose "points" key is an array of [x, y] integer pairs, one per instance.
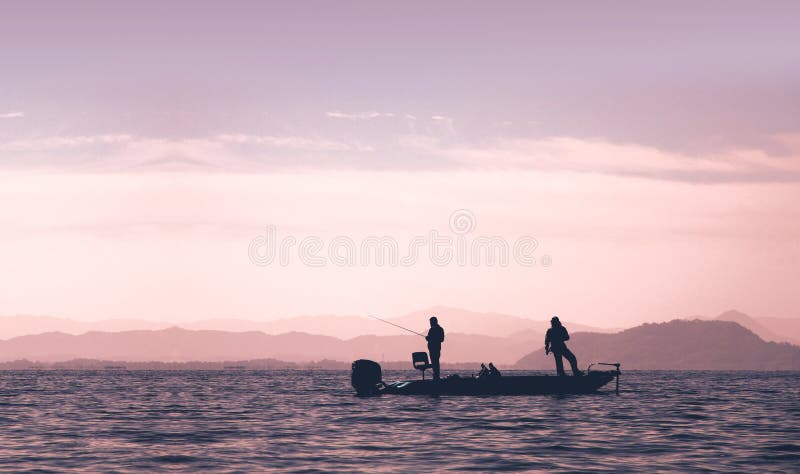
{"points": [[396, 325]]}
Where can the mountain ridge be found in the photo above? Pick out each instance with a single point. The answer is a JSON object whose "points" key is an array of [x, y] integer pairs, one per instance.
{"points": [[677, 344], [343, 326]]}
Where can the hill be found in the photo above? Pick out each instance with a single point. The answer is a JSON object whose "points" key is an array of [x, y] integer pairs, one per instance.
{"points": [[769, 329], [490, 324], [678, 344], [784, 327], [22, 325], [343, 327], [182, 345]]}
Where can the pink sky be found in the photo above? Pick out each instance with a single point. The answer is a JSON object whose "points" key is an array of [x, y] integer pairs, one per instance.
{"points": [[654, 155]]}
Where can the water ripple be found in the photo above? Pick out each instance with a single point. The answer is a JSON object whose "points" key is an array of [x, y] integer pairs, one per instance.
{"points": [[309, 421]]}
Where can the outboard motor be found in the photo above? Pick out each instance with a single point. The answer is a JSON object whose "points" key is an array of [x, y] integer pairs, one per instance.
{"points": [[366, 377]]}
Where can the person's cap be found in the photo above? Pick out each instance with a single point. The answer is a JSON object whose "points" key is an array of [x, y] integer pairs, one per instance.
{"points": [[434, 320], [554, 319]]}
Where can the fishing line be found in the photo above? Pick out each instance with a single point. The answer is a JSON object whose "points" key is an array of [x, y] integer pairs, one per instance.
{"points": [[396, 325]]}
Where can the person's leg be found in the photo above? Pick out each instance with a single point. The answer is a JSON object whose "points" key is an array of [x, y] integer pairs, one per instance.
{"points": [[435, 363], [559, 363], [573, 361]]}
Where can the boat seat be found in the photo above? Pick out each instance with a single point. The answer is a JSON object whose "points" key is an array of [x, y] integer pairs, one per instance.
{"points": [[420, 362]]}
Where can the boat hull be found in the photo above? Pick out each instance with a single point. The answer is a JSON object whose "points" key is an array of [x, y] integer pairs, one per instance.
{"points": [[508, 385]]}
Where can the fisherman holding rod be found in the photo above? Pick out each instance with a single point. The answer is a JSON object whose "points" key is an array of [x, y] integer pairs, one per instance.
{"points": [[435, 339]]}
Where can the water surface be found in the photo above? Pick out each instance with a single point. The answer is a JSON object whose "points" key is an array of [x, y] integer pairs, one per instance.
{"points": [[310, 420]]}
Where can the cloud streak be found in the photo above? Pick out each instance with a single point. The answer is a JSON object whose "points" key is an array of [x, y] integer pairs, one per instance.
{"points": [[12, 115], [61, 142], [236, 152], [359, 116], [241, 152], [290, 142], [627, 160]]}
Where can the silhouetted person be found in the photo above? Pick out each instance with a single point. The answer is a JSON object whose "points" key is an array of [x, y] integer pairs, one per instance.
{"points": [[484, 372], [435, 338], [493, 372], [554, 342]]}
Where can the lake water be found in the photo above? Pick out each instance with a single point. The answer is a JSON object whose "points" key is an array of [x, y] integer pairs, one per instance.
{"points": [[310, 420]]}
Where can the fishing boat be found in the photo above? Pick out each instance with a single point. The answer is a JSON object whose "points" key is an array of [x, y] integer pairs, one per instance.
{"points": [[367, 380]]}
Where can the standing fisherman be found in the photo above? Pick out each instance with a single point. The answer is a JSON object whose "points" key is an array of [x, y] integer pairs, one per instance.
{"points": [[435, 338], [554, 342]]}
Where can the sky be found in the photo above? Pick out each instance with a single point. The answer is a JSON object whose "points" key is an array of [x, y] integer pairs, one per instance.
{"points": [[150, 151]]}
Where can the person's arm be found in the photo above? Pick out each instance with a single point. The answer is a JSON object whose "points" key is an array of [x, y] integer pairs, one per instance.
{"points": [[441, 330], [547, 342], [428, 337], [566, 335]]}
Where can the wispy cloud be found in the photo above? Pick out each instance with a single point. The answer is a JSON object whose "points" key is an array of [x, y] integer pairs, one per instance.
{"points": [[410, 152], [290, 142], [228, 151], [11, 115], [445, 122], [570, 154], [359, 116], [61, 142]]}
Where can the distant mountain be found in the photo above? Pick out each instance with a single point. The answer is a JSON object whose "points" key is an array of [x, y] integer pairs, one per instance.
{"points": [[336, 326], [769, 329], [168, 345], [21, 325], [783, 327], [344, 327], [490, 324], [228, 365], [115, 365], [181, 345], [678, 344]]}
